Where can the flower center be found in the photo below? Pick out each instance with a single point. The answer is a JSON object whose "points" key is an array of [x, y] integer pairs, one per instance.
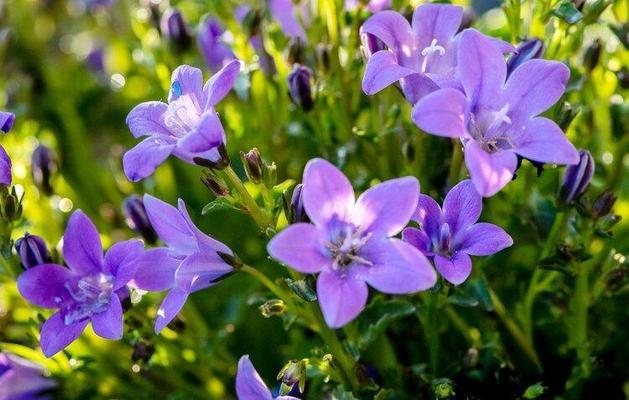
{"points": [[182, 116], [444, 240], [345, 246], [429, 51], [489, 129], [88, 296]]}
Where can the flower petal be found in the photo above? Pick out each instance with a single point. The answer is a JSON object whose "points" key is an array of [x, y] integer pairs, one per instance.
{"points": [[142, 160], [204, 241], [482, 239], [489, 172], [108, 324], [436, 21], [485, 68], [341, 298], [42, 284], [301, 247], [381, 71], [398, 267], [535, 86], [170, 307], [387, 207], [428, 215], [120, 261], [200, 271], [217, 87], [147, 119], [284, 12], [419, 240], [442, 113], [249, 385], [155, 270], [56, 335], [82, 249], [7, 119], [203, 140], [462, 206], [5, 167], [456, 269], [395, 31], [187, 81], [542, 140], [170, 225], [327, 192]]}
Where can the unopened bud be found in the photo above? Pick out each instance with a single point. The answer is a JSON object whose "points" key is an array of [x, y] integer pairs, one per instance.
{"points": [[576, 179], [293, 373], [272, 308], [254, 166], [603, 204], [298, 212], [32, 251], [592, 55], [7, 120], [214, 184], [296, 50], [43, 167], [174, 29], [137, 219], [11, 205], [527, 50], [567, 115], [300, 86], [323, 56]]}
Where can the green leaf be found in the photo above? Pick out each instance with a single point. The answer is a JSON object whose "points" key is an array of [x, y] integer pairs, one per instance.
{"points": [[478, 289], [568, 13], [302, 289], [340, 394], [219, 204], [534, 391], [377, 316], [283, 186], [463, 299]]}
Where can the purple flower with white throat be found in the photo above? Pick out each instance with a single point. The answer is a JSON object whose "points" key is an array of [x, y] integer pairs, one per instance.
{"points": [[350, 242], [21, 379], [209, 39], [249, 385], [422, 57], [451, 235], [84, 292], [187, 127], [496, 118], [192, 260]]}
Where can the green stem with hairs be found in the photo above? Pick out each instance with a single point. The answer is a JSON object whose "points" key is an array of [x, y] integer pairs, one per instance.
{"points": [[253, 208]]}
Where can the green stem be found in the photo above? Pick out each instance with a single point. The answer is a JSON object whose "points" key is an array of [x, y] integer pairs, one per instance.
{"points": [[254, 210], [432, 334], [456, 163]]}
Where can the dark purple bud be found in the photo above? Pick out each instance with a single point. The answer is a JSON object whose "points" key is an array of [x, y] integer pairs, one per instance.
{"points": [[469, 17], [153, 7], [253, 165], [95, 60], [296, 50], [43, 167], [214, 184], [371, 44], [32, 251], [300, 86], [143, 350], [592, 55], [297, 206], [230, 259], [566, 115], [623, 77], [323, 56], [174, 29], [11, 204], [7, 119], [293, 373], [576, 179], [603, 204], [526, 50], [222, 162], [137, 219]]}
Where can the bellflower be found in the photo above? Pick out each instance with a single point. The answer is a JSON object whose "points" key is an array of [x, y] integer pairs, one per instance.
{"points": [[287, 14], [187, 127], [496, 118], [350, 242], [192, 260], [249, 385], [21, 379], [265, 60], [86, 290], [7, 120], [214, 51], [422, 56], [451, 235]]}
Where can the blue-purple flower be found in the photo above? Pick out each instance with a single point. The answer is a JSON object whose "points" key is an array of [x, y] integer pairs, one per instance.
{"points": [[373, 6], [350, 242], [249, 385], [288, 15], [449, 236], [21, 379], [187, 127], [497, 118], [209, 40], [192, 260], [85, 291], [7, 120], [32, 251]]}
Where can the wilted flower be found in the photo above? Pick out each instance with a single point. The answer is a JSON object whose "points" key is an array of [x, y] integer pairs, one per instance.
{"points": [[300, 86], [174, 28], [497, 120], [350, 242], [249, 385], [86, 290], [43, 167], [21, 379], [527, 50], [32, 251], [577, 178], [423, 58], [215, 52], [187, 127], [191, 262], [137, 219], [451, 235]]}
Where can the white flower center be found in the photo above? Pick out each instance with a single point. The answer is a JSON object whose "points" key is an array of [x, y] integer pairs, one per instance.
{"points": [[89, 296], [182, 116], [429, 51], [345, 247]]}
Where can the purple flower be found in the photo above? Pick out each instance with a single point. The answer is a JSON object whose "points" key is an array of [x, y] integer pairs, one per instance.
{"points": [[192, 260], [287, 14], [350, 241], [21, 379], [215, 52], [451, 235], [249, 385], [32, 251], [7, 120], [497, 120], [422, 57], [187, 127], [86, 290], [373, 6], [265, 60]]}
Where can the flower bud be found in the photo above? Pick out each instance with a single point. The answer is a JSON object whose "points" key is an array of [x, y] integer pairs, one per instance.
{"points": [[298, 212], [296, 50], [576, 179], [229, 259], [95, 60], [32, 251], [272, 308], [214, 184], [300, 86], [142, 351], [137, 219], [174, 29], [7, 120], [370, 44], [220, 164], [603, 204], [43, 167], [293, 373], [567, 113], [592, 55], [11, 204], [527, 50], [254, 166], [153, 8], [323, 56]]}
